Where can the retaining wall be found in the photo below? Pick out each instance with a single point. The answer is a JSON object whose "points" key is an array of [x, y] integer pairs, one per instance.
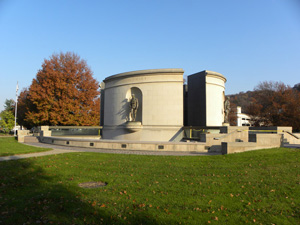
{"points": [[126, 145], [256, 142]]}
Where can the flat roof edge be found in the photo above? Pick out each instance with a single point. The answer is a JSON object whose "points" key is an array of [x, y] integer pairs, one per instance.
{"points": [[141, 72], [212, 73]]}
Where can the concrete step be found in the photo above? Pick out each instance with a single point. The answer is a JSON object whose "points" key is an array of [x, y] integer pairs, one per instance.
{"points": [[214, 148], [31, 139], [285, 141]]}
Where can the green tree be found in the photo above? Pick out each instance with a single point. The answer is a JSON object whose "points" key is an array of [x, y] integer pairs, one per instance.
{"points": [[64, 92], [7, 120], [9, 105]]}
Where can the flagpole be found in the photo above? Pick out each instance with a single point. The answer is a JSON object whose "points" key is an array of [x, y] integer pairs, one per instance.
{"points": [[16, 108]]}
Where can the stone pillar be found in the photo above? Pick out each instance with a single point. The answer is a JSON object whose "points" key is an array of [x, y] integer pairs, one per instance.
{"points": [[46, 133], [22, 134]]}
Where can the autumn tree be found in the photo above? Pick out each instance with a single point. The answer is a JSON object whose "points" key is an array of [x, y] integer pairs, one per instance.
{"points": [[24, 106], [297, 87], [274, 103], [64, 92], [232, 113]]}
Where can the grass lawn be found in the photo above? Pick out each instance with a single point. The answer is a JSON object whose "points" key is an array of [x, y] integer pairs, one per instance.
{"points": [[10, 146], [6, 135], [261, 187]]}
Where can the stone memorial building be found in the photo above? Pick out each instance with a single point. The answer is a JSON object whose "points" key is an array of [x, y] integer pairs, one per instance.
{"points": [[154, 105]]}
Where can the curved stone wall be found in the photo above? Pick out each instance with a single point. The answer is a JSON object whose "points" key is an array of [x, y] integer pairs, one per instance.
{"points": [[206, 95], [215, 97], [160, 113]]}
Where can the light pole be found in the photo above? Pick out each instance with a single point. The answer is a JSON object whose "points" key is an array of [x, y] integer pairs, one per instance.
{"points": [[16, 108]]}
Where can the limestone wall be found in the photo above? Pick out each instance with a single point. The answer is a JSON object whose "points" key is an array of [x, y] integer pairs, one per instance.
{"points": [[206, 91], [126, 145], [215, 90], [22, 134], [160, 96], [288, 136], [257, 141]]}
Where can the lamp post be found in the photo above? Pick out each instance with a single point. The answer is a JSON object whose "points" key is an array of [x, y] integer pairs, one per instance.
{"points": [[16, 108]]}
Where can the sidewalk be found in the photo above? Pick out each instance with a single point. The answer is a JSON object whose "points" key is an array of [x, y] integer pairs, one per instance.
{"points": [[57, 149], [37, 154], [292, 145]]}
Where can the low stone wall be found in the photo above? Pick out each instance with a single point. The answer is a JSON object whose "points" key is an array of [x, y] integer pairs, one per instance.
{"points": [[126, 145], [256, 141], [274, 129], [235, 133], [45, 133], [235, 147], [227, 134], [229, 140], [270, 140], [22, 134], [292, 138]]}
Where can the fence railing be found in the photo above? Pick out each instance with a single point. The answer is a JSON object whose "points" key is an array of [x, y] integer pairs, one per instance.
{"points": [[196, 132], [75, 130]]}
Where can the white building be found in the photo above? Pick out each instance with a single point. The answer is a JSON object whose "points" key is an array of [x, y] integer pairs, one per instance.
{"points": [[242, 118]]}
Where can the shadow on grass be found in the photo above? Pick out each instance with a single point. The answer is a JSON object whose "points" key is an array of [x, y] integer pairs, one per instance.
{"points": [[28, 195]]}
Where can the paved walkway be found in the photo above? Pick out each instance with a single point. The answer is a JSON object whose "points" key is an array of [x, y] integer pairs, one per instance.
{"points": [[57, 149], [37, 154], [291, 145]]}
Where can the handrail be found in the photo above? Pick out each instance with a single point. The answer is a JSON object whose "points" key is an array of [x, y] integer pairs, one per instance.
{"points": [[75, 127], [282, 131], [267, 131], [226, 135], [293, 135]]}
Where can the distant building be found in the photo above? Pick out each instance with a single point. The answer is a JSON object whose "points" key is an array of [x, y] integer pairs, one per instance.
{"points": [[242, 118]]}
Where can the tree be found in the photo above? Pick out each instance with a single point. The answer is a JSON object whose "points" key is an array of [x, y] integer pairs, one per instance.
{"points": [[297, 87], [7, 120], [232, 114], [9, 105], [24, 106], [63, 93], [274, 103]]}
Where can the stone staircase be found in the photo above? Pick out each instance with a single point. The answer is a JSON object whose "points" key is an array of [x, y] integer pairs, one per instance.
{"points": [[31, 139], [285, 141]]}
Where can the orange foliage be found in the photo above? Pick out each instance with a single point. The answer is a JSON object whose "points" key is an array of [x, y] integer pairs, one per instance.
{"points": [[63, 93], [274, 103]]}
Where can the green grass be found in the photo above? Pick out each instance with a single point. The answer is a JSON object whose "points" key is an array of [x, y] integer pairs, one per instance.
{"points": [[10, 146], [261, 187], [5, 135]]}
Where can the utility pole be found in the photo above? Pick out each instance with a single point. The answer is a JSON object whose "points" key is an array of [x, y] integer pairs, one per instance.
{"points": [[16, 108]]}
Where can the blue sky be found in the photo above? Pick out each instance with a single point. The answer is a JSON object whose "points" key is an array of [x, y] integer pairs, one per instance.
{"points": [[247, 41]]}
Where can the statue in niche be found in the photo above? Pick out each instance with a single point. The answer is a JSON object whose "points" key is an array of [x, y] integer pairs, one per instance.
{"points": [[134, 104], [226, 109]]}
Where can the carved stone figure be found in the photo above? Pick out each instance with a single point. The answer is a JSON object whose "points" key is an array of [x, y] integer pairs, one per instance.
{"points": [[134, 104], [226, 110]]}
